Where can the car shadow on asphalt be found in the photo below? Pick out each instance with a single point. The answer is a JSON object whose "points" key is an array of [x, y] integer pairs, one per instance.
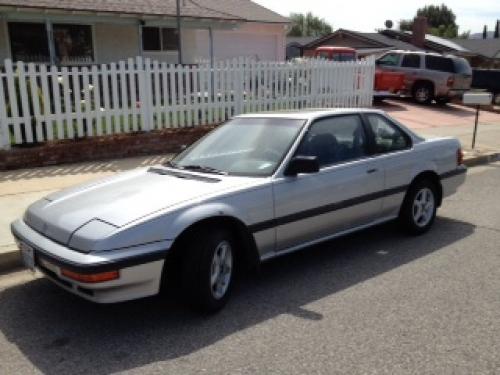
{"points": [[60, 333]]}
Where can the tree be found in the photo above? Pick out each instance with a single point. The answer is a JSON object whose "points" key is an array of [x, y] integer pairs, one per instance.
{"points": [[485, 32], [464, 35], [440, 18], [308, 25], [497, 30]]}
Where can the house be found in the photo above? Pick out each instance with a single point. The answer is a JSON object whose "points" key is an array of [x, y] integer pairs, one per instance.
{"points": [[80, 32], [486, 51], [366, 44]]}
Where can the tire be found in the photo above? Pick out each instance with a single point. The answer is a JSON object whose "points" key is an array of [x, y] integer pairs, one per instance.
{"points": [[422, 93], [207, 269], [418, 211]]}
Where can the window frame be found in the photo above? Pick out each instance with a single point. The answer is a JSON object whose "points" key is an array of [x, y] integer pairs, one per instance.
{"points": [[93, 40], [371, 135], [48, 25], [366, 146], [160, 35]]}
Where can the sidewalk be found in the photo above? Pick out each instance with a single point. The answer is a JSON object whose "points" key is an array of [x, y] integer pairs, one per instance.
{"points": [[20, 188]]}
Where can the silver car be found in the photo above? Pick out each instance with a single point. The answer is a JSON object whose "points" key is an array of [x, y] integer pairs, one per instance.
{"points": [[257, 187], [429, 75]]}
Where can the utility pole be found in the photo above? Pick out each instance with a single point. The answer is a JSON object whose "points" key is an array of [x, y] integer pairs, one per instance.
{"points": [[179, 38]]}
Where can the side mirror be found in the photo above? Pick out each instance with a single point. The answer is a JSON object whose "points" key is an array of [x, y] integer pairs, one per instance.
{"points": [[302, 164]]}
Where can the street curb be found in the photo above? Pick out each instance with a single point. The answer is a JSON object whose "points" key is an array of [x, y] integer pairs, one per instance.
{"points": [[11, 258], [482, 159]]}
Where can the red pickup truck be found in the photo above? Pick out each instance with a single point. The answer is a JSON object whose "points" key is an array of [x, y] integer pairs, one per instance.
{"points": [[386, 83]]}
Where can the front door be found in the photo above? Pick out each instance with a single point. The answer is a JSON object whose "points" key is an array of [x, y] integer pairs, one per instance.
{"points": [[342, 195]]}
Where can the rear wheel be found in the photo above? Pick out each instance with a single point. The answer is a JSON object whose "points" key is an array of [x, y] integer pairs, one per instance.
{"points": [[422, 93], [208, 269], [419, 207]]}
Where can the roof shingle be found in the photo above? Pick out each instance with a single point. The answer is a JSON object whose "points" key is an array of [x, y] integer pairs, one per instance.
{"points": [[238, 10]]}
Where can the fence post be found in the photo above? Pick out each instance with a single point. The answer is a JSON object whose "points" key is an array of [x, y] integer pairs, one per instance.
{"points": [[239, 94], [144, 92], [4, 127]]}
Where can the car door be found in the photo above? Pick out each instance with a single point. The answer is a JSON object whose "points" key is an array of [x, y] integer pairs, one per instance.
{"points": [[411, 66], [342, 195], [392, 147]]}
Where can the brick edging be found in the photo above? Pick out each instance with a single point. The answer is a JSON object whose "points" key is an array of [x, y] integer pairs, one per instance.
{"points": [[100, 148]]}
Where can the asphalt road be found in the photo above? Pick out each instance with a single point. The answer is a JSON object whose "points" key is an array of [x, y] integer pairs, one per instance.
{"points": [[373, 303]]}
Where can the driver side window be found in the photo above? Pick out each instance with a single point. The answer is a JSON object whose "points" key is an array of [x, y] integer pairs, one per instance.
{"points": [[334, 140], [391, 59]]}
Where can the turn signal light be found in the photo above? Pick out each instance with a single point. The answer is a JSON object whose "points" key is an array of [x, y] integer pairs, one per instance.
{"points": [[450, 82], [460, 157], [91, 278]]}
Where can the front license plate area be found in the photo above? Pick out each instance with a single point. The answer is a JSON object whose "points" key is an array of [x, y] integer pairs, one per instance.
{"points": [[28, 255]]}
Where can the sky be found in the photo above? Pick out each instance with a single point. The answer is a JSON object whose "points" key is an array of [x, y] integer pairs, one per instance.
{"points": [[368, 15]]}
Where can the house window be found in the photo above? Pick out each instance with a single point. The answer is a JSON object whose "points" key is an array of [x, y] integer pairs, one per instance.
{"points": [[29, 42], [73, 43], [157, 39]]}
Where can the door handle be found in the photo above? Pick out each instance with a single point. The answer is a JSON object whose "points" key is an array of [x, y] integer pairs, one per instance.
{"points": [[373, 170]]}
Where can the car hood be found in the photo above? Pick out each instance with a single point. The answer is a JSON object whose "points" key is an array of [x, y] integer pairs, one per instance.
{"points": [[124, 198]]}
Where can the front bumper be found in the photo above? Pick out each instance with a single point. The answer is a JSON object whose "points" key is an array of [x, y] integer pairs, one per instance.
{"points": [[140, 267]]}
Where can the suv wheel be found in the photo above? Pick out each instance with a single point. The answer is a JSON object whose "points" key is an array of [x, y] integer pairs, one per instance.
{"points": [[422, 93], [419, 207], [208, 269]]}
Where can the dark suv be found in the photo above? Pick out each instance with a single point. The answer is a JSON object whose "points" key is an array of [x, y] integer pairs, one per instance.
{"points": [[429, 75]]}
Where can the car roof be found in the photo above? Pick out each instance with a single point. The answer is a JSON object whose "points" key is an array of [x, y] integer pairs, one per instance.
{"points": [[309, 114]]}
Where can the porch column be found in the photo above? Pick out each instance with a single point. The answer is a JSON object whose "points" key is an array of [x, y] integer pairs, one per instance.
{"points": [[179, 36], [52, 48]]}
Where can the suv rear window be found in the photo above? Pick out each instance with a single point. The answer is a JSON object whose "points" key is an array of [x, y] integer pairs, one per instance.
{"points": [[442, 64], [462, 66], [411, 61]]}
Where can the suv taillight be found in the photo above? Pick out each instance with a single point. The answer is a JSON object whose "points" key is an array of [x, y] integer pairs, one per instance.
{"points": [[460, 157], [450, 81]]}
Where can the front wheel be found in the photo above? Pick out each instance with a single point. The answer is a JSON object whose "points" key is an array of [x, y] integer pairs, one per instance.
{"points": [[208, 269], [419, 207]]}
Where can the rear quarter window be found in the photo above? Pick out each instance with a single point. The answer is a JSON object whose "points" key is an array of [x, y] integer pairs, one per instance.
{"points": [[440, 64]]}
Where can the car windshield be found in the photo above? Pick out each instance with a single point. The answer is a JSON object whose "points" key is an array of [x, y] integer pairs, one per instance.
{"points": [[243, 146]]}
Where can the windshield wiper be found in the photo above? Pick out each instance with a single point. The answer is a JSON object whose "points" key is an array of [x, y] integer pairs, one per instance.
{"points": [[201, 168]]}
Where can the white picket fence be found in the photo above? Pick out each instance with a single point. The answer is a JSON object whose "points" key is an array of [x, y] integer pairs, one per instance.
{"points": [[39, 102]]}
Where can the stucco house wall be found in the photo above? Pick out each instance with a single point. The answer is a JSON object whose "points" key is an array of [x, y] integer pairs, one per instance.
{"points": [[115, 42]]}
